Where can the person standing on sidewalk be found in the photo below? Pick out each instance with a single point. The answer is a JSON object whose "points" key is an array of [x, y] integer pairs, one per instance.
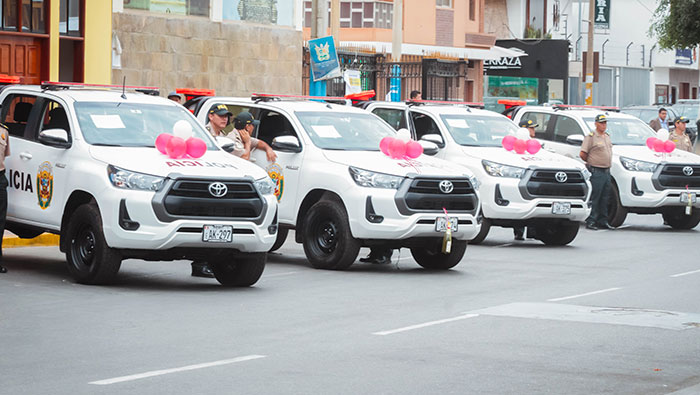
{"points": [[5, 149], [596, 151], [661, 122]]}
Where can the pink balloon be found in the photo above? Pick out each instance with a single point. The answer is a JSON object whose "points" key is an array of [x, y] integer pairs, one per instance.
{"points": [[659, 145], [669, 146], [650, 142], [196, 147], [162, 141], [413, 149], [397, 149], [508, 141], [384, 145], [519, 146], [176, 147], [533, 146]]}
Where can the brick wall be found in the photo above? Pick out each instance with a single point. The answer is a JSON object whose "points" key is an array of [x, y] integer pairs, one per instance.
{"points": [[444, 27], [235, 58]]}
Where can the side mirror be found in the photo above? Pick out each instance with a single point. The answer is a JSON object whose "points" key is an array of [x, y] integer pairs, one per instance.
{"points": [[574, 139], [435, 139], [429, 148], [286, 144], [54, 138]]}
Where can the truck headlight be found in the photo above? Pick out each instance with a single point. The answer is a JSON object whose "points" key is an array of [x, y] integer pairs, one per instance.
{"points": [[499, 170], [265, 186], [366, 178], [126, 179], [638, 165]]}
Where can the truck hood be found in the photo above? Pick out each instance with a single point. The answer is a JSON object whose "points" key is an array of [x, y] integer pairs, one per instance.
{"points": [[643, 153], [378, 162], [149, 161], [543, 158]]}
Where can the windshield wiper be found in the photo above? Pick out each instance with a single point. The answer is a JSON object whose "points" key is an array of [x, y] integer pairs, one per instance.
{"points": [[106, 145]]}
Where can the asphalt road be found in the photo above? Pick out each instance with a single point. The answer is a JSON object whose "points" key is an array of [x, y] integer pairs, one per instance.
{"points": [[616, 312]]}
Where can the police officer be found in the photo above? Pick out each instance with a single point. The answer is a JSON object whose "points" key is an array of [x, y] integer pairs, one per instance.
{"points": [[596, 151], [5, 149], [244, 125], [679, 137], [530, 125], [174, 96]]}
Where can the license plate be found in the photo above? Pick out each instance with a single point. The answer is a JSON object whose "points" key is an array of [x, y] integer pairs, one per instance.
{"points": [[559, 208], [441, 224], [692, 196], [217, 233]]}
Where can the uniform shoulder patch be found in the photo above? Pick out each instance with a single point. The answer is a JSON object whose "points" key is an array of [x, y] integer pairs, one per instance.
{"points": [[2, 125], [590, 134]]}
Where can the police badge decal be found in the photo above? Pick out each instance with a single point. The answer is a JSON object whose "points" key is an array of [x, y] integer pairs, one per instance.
{"points": [[275, 173], [44, 183]]}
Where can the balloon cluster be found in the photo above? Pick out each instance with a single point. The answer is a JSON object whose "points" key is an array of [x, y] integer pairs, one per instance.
{"points": [[662, 143], [401, 147], [181, 142], [522, 143]]}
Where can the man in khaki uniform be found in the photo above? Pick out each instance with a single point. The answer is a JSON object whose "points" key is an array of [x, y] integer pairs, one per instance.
{"points": [[596, 151], [5, 149], [679, 137]]}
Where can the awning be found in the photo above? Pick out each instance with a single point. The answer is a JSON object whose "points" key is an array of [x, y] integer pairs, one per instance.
{"points": [[494, 52]]}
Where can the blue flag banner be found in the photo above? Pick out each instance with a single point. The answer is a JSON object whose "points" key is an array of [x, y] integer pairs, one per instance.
{"points": [[324, 59]]}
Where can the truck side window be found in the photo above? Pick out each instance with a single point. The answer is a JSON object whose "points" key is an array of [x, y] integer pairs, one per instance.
{"points": [[423, 125], [54, 117], [541, 119], [15, 113], [273, 124], [392, 116], [565, 127]]}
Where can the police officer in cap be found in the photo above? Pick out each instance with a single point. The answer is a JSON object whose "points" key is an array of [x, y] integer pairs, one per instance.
{"points": [[679, 137], [244, 125], [530, 125], [5, 149], [596, 151]]}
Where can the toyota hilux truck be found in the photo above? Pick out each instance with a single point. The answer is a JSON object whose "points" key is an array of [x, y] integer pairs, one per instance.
{"points": [[643, 181], [83, 165], [340, 193], [545, 192]]}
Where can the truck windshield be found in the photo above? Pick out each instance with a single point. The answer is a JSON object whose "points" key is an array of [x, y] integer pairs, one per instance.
{"points": [[344, 130], [478, 130], [625, 131], [132, 124]]}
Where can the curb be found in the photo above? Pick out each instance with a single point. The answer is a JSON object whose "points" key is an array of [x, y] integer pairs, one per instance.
{"points": [[43, 240]]}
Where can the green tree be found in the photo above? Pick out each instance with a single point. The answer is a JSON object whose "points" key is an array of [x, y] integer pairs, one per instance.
{"points": [[676, 23]]}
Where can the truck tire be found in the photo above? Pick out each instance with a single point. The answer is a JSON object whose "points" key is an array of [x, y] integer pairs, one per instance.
{"points": [[676, 218], [328, 242], [90, 259], [281, 237], [241, 270], [557, 233], [483, 232], [431, 256], [616, 211]]}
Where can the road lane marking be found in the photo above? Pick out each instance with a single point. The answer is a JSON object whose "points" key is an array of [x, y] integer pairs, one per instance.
{"points": [[580, 295], [425, 324], [175, 370], [685, 274]]}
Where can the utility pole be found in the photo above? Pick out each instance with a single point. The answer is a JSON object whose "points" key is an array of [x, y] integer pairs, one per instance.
{"points": [[589, 58], [397, 31], [335, 21], [319, 18]]}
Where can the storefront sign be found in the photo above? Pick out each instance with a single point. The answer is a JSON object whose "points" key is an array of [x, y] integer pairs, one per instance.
{"points": [[503, 64], [684, 57], [602, 14], [324, 59]]}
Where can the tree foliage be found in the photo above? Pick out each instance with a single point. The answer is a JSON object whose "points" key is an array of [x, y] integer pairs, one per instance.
{"points": [[676, 23]]}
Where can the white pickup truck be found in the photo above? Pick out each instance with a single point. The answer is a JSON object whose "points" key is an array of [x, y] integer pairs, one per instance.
{"points": [[340, 193], [83, 165], [545, 192], [644, 181]]}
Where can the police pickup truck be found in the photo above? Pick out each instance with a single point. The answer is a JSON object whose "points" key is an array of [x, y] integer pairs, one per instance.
{"points": [[543, 191], [84, 166], [340, 193]]}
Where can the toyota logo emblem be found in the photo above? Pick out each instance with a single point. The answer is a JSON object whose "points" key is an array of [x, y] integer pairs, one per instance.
{"points": [[446, 186], [218, 189], [561, 176], [688, 171]]}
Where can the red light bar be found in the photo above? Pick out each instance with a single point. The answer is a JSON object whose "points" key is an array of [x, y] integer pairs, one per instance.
{"points": [[511, 102], [193, 93], [65, 85], [361, 96], [9, 79]]}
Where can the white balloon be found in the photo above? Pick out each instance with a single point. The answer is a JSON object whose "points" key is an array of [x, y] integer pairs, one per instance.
{"points": [[403, 134], [523, 134], [662, 134], [182, 129]]}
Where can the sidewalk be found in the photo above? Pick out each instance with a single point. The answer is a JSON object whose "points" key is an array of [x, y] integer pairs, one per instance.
{"points": [[10, 240]]}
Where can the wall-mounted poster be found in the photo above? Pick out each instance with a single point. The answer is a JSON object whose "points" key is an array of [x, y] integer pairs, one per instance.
{"points": [[275, 12]]}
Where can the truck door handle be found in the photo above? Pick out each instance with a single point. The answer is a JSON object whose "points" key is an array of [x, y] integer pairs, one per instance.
{"points": [[25, 155]]}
